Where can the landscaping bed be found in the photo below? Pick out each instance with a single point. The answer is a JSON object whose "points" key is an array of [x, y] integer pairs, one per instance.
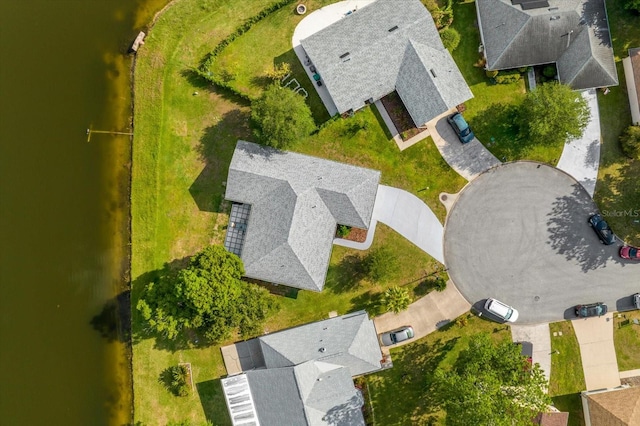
{"points": [[399, 116]]}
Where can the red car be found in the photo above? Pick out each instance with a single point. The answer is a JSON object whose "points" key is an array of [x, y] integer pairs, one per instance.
{"points": [[628, 252]]}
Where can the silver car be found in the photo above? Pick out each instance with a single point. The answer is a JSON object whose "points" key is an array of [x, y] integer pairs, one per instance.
{"points": [[396, 336]]}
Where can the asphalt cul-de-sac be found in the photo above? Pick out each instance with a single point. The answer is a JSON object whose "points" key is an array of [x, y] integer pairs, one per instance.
{"points": [[519, 232]]}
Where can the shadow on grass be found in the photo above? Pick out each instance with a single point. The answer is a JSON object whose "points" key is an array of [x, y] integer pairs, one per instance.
{"points": [[213, 403], [572, 404], [406, 394], [199, 82], [346, 276], [496, 127], [370, 302], [216, 148]]}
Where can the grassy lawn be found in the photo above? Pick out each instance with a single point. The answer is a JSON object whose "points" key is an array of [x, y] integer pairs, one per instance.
{"points": [[627, 341], [402, 394], [617, 188], [185, 133], [567, 377], [490, 112]]}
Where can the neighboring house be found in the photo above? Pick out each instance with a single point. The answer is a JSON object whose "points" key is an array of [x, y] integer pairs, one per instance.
{"points": [[382, 47], [305, 378], [612, 407], [286, 208], [632, 76], [573, 34], [553, 418]]}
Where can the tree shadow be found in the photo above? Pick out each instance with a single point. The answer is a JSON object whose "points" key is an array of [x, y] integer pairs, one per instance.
{"points": [[114, 321], [497, 127], [567, 226], [406, 394], [216, 149], [370, 302], [213, 402], [345, 414], [345, 276], [199, 82]]}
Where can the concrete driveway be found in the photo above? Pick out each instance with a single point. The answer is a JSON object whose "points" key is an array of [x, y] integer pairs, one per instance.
{"points": [[539, 337], [595, 336], [519, 233], [427, 314], [468, 159], [409, 216], [581, 157]]}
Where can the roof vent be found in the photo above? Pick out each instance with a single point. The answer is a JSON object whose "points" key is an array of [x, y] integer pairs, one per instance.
{"points": [[323, 350], [554, 18], [551, 9], [392, 29], [433, 73], [344, 55]]}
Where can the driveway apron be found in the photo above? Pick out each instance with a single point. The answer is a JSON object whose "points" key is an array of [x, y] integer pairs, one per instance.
{"points": [[595, 336], [539, 337]]}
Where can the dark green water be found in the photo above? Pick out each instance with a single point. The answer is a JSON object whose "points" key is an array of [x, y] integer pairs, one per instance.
{"points": [[63, 208]]}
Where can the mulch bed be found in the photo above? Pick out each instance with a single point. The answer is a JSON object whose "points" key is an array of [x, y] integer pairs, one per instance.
{"points": [[356, 234], [400, 116]]}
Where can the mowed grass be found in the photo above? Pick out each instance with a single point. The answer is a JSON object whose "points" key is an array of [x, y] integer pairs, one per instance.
{"points": [[567, 376], [403, 395], [185, 133], [617, 190], [626, 337], [490, 112]]}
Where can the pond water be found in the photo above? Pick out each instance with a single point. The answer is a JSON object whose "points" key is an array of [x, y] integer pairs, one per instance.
{"points": [[64, 209]]}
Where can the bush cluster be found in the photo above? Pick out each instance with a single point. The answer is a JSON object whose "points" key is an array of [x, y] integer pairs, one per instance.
{"points": [[450, 38], [507, 77]]}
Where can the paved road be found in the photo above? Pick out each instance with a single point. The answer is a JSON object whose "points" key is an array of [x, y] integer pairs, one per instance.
{"points": [[519, 233], [581, 157]]}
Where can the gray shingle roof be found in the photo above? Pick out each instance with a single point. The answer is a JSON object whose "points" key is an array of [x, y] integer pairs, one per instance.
{"points": [[349, 340], [296, 202], [376, 58], [312, 393], [572, 33]]}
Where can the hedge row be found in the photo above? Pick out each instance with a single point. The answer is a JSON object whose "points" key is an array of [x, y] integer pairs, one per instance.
{"points": [[506, 77], [204, 69]]}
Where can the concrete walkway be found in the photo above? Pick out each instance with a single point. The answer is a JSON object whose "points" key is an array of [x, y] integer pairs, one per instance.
{"points": [[409, 216], [581, 157], [595, 336], [539, 337], [468, 159], [427, 314]]}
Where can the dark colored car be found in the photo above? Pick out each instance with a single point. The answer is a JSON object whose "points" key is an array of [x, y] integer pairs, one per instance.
{"points": [[396, 336], [631, 253], [591, 310], [601, 227], [461, 127]]}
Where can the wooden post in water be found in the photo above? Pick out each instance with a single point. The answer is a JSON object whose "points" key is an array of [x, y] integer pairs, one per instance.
{"points": [[89, 131]]}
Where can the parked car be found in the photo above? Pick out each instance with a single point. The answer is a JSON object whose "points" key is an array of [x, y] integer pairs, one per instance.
{"points": [[636, 300], [631, 253], [396, 336], [461, 127], [602, 228], [591, 310], [501, 310]]}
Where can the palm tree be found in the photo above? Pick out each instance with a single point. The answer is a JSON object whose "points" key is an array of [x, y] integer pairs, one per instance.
{"points": [[396, 299]]}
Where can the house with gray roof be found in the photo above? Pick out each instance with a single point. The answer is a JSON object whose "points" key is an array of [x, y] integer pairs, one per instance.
{"points": [[286, 209], [383, 47], [306, 375], [573, 34]]}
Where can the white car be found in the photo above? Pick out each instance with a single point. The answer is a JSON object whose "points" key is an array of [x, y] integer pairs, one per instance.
{"points": [[501, 310]]}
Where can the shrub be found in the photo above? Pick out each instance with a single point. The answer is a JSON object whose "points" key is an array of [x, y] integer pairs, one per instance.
{"points": [[630, 142], [522, 70], [450, 38], [396, 299], [278, 72], [343, 231], [632, 5], [442, 18], [491, 73], [381, 264], [440, 284], [507, 77], [176, 380], [549, 71]]}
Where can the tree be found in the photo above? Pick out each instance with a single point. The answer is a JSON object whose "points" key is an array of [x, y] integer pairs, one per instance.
{"points": [[396, 299], [553, 113], [630, 142], [632, 5], [281, 116], [450, 38], [278, 72], [491, 384], [208, 296]]}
